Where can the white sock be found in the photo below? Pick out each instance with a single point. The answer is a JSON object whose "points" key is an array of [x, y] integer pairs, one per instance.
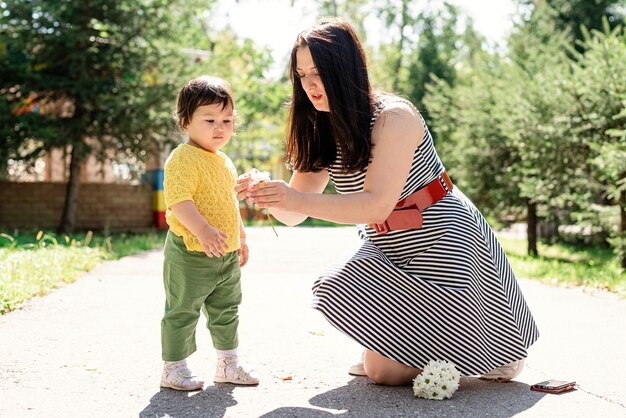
{"points": [[175, 364], [224, 354]]}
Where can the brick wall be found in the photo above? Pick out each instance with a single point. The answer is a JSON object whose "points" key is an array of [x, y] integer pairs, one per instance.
{"points": [[115, 207]]}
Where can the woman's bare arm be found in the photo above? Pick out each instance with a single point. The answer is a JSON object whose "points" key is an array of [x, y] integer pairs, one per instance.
{"points": [[398, 131]]}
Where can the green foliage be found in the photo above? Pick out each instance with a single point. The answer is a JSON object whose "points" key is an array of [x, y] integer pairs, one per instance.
{"points": [[355, 11], [536, 93], [600, 112], [435, 54], [100, 78], [259, 100], [87, 77], [424, 48], [28, 273], [599, 119], [471, 141], [577, 16], [567, 265], [85, 73], [261, 115], [536, 126], [34, 264]]}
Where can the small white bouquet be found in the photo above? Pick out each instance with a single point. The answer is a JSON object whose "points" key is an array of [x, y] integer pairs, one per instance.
{"points": [[259, 177], [439, 380]]}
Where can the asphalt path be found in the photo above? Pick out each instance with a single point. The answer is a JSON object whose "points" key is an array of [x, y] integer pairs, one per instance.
{"points": [[92, 348]]}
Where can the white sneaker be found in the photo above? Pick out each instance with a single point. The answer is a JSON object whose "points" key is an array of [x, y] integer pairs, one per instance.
{"points": [[176, 375], [505, 373], [229, 370], [356, 368]]}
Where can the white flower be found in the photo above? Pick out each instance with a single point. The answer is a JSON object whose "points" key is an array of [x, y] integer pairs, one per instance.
{"points": [[259, 176], [439, 380]]}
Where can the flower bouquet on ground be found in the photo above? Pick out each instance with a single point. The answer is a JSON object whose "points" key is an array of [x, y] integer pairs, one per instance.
{"points": [[439, 380]]}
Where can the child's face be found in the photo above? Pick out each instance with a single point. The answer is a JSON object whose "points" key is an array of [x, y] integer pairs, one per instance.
{"points": [[211, 127]]}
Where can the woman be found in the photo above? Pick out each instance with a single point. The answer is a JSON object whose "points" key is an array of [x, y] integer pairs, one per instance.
{"points": [[430, 281]]}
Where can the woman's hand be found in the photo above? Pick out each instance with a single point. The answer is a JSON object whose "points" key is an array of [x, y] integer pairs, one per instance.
{"points": [[274, 194], [249, 178], [213, 241]]}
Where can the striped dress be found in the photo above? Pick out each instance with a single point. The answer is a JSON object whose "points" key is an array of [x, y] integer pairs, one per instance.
{"points": [[442, 292]]}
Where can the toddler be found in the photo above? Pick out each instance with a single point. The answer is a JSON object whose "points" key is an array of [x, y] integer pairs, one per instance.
{"points": [[205, 245]]}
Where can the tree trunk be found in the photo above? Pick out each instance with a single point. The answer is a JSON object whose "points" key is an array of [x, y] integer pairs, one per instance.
{"points": [[398, 64], [4, 164], [68, 219], [531, 228]]}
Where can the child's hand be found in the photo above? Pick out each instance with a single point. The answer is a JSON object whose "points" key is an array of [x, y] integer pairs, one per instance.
{"points": [[243, 181], [213, 241], [243, 254]]}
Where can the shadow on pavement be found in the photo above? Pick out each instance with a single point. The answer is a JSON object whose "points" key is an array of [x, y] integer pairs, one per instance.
{"points": [[211, 402], [362, 398]]}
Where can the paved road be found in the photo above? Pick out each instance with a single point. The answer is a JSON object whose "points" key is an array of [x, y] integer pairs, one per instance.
{"points": [[91, 349]]}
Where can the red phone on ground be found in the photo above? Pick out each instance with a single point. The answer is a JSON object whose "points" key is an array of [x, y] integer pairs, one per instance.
{"points": [[554, 386]]}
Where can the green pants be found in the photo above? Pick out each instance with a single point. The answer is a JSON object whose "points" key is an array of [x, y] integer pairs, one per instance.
{"points": [[194, 281]]}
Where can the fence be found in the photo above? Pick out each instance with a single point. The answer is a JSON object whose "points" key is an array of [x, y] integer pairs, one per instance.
{"points": [[100, 206]]}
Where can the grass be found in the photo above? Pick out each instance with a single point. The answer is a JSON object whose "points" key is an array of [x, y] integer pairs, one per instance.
{"points": [[567, 265], [32, 264]]}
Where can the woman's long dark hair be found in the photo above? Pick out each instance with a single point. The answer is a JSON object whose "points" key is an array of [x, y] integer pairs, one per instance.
{"points": [[313, 138]]}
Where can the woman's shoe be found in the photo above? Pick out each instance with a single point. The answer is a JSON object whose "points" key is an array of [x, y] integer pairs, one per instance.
{"points": [[356, 368], [505, 373], [176, 375], [229, 370]]}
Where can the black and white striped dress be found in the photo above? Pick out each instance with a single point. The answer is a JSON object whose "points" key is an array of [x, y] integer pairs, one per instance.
{"points": [[442, 292]]}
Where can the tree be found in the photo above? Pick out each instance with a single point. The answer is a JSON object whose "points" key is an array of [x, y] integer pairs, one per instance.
{"points": [[506, 137], [471, 139], [424, 45], [436, 53], [577, 16], [87, 77], [599, 119], [354, 11], [128, 60], [261, 113]]}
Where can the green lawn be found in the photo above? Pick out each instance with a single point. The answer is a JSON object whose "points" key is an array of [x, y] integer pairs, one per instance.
{"points": [[567, 265], [33, 264]]}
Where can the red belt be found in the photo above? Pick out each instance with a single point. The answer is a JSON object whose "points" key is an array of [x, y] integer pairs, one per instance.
{"points": [[408, 212]]}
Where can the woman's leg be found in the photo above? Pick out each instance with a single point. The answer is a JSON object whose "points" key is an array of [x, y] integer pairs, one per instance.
{"points": [[385, 371]]}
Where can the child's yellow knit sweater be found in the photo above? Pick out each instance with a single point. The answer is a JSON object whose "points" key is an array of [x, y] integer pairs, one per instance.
{"points": [[209, 181]]}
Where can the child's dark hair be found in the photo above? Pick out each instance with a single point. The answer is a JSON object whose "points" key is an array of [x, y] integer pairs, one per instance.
{"points": [[201, 91]]}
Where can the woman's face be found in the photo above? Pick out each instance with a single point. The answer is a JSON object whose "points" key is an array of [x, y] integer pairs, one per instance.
{"points": [[310, 79]]}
